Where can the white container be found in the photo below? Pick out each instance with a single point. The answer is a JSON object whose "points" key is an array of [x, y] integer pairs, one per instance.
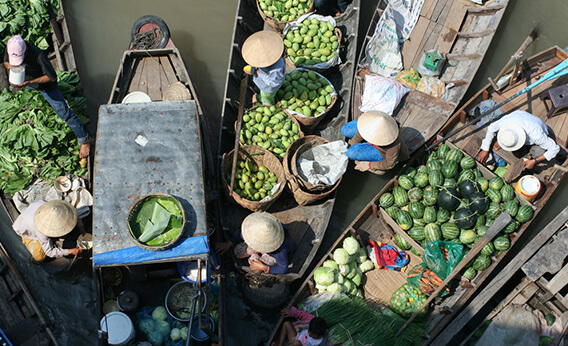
{"points": [[136, 97], [119, 327], [17, 75]]}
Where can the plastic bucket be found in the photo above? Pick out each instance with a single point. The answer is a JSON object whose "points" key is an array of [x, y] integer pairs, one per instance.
{"points": [[198, 334], [188, 269], [119, 327], [136, 97], [528, 186], [17, 75]]}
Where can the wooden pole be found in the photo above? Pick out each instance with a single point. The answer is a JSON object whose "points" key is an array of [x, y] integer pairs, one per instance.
{"points": [[242, 96]]}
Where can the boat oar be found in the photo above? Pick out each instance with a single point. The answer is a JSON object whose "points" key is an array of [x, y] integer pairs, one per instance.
{"points": [[495, 228], [559, 70], [242, 96], [54, 23]]}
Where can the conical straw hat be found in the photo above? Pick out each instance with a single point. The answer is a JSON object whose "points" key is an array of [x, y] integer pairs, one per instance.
{"points": [[177, 92], [263, 232], [377, 128], [55, 218], [263, 48]]}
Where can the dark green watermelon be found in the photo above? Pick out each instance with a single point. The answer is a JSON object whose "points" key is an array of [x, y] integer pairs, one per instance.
{"points": [[493, 211], [432, 232], [501, 243], [465, 218], [400, 196], [467, 162], [507, 193], [401, 242], [450, 182], [450, 230], [467, 236], [386, 200], [443, 215], [450, 169], [404, 220], [448, 198], [493, 195], [524, 214], [479, 202], [481, 262], [417, 233], [430, 195], [467, 188], [415, 194], [464, 203], [416, 210], [405, 182], [435, 178], [421, 179]]}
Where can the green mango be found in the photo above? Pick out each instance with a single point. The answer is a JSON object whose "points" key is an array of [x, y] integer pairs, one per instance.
{"points": [[291, 52], [325, 51], [312, 33], [312, 95], [307, 39], [307, 111], [287, 43], [295, 46], [313, 27], [298, 39], [327, 100], [329, 89], [312, 86], [300, 60], [316, 54]]}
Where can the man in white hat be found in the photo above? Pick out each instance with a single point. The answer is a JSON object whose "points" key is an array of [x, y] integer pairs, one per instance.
{"points": [[521, 133], [264, 240], [384, 146], [41, 223], [262, 51], [41, 76]]}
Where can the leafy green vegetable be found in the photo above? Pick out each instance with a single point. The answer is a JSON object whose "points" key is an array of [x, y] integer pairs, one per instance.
{"points": [[157, 222]]}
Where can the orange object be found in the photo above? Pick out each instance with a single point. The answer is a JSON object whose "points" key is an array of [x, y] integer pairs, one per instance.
{"points": [[247, 69]]}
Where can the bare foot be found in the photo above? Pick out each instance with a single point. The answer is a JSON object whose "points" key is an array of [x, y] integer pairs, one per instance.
{"points": [[254, 99]]}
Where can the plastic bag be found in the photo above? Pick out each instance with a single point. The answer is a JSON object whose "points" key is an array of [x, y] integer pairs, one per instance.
{"points": [[425, 279], [407, 300], [408, 78], [313, 302], [156, 332], [431, 86], [381, 94], [442, 256]]}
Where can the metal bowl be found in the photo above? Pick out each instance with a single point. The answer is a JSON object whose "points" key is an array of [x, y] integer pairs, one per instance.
{"points": [[179, 301]]}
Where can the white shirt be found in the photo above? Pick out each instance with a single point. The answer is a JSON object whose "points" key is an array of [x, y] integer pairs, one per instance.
{"points": [[535, 128]]}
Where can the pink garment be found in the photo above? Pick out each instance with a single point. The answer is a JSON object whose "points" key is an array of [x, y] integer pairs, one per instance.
{"points": [[301, 325], [242, 250]]}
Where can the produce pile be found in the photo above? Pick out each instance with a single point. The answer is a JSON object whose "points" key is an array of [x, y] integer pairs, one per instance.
{"points": [[160, 328], [270, 128], [449, 199], [253, 182], [157, 222], [305, 92], [34, 141], [312, 42], [344, 272], [28, 18], [285, 10]]}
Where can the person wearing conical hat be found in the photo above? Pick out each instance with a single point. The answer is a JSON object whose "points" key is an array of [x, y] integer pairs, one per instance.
{"points": [[521, 133], [265, 241], [262, 51], [41, 223], [375, 142]]}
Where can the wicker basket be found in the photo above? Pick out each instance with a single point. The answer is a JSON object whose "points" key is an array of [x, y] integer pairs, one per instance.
{"points": [[132, 214], [339, 35], [261, 157], [278, 25], [302, 195]]}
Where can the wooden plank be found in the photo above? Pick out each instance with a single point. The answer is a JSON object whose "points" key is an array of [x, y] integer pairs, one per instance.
{"points": [[428, 8], [459, 322], [439, 10], [399, 230], [152, 70], [549, 259], [558, 281], [412, 45], [136, 82], [429, 43], [168, 70]]}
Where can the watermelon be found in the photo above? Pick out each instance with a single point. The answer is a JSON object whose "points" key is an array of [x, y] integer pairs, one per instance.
{"points": [[405, 182], [477, 173], [409, 171], [489, 222], [414, 195], [481, 262], [467, 162], [481, 230], [404, 220], [443, 215], [501, 243], [400, 196], [430, 195], [524, 214], [493, 211], [450, 230], [479, 203], [435, 178], [430, 214], [470, 274], [432, 232], [507, 193], [450, 182], [467, 188], [511, 207], [386, 200], [448, 198], [417, 233], [422, 169], [466, 174], [418, 222], [482, 183], [432, 156], [465, 218], [421, 179], [393, 211], [434, 165], [450, 169], [496, 183], [416, 210], [415, 252], [401, 242], [464, 203], [442, 151], [488, 249], [467, 236], [512, 226], [454, 155], [493, 195]]}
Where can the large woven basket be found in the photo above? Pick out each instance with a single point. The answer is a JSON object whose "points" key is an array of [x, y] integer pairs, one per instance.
{"points": [[278, 25], [339, 35], [261, 157], [296, 185]]}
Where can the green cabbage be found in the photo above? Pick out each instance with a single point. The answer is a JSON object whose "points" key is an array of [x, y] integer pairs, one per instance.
{"points": [[324, 276], [349, 286], [351, 245], [361, 255], [183, 333], [335, 288], [366, 266], [357, 279], [340, 279], [321, 288], [331, 264], [175, 334], [341, 256], [344, 269], [160, 313]]}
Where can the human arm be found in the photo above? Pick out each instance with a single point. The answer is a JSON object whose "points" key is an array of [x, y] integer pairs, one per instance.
{"points": [[221, 248], [50, 249], [491, 132], [356, 139]]}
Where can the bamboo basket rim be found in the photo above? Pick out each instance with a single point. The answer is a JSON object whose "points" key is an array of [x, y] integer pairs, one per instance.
{"points": [[276, 24]]}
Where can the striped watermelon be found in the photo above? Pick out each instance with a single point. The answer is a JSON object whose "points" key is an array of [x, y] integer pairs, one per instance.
{"points": [[442, 151], [493, 211], [415, 194], [512, 226], [430, 214], [507, 193], [450, 169], [405, 182], [450, 182], [454, 155], [443, 215], [501, 243], [496, 183], [470, 273], [479, 202], [467, 236], [482, 183], [432, 232], [401, 242], [493, 195], [417, 233], [488, 249], [467, 162], [450, 230], [404, 220], [489, 222], [481, 230], [422, 169], [421, 179], [415, 252], [416, 210], [393, 211], [430, 195], [477, 173], [511, 207], [418, 222], [466, 174], [480, 221], [481, 262], [386, 200], [435, 178], [400, 196], [409, 171], [524, 214], [434, 165]]}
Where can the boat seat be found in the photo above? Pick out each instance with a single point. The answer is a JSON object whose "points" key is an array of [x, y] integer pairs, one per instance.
{"points": [[558, 98]]}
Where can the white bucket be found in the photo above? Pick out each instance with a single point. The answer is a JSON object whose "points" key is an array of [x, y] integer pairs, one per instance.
{"points": [[17, 75], [120, 328], [136, 97]]}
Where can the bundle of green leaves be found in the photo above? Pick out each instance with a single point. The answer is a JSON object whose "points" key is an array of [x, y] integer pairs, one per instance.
{"points": [[34, 141], [28, 18]]}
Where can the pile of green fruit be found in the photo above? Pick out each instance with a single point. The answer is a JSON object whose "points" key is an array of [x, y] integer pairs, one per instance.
{"points": [[285, 10], [253, 182], [311, 42], [305, 92], [270, 128], [449, 199]]}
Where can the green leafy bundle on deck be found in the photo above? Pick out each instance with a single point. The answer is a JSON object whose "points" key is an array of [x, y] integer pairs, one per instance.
{"points": [[353, 321], [34, 141]]}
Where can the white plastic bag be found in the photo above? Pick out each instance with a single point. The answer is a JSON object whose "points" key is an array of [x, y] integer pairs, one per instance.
{"points": [[324, 164], [381, 94]]}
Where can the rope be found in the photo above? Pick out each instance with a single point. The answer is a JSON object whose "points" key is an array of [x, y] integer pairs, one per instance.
{"points": [[146, 40]]}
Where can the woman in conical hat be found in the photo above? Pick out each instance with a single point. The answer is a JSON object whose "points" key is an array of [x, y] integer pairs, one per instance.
{"points": [[376, 143], [262, 51]]}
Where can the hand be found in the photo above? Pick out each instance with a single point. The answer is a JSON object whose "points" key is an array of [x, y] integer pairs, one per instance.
{"points": [[529, 164], [221, 248], [285, 312], [257, 265], [496, 146], [362, 166], [84, 151], [482, 156], [75, 251]]}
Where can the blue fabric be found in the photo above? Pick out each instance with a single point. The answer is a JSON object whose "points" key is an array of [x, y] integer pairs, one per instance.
{"points": [[350, 129], [271, 78], [359, 151], [57, 102], [188, 247], [400, 262]]}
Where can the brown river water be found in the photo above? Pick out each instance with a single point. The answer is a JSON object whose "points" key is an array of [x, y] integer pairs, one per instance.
{"points": [[202, 30]]}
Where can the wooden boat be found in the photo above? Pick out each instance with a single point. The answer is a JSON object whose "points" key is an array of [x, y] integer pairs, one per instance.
{"points": [[152, 169], [460, 30], [374, 223], [306, 224]]}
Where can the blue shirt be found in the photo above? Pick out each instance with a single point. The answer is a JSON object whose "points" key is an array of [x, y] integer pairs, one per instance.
{"points": [[270, 78]]}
